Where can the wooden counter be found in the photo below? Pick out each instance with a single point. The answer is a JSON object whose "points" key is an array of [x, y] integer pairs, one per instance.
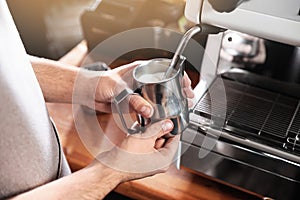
{"points": [[174, 184]]}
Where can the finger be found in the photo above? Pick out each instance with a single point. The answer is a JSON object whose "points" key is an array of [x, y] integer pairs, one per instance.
{"points": [[189, 92], [158, 129], [125, 68], [103, 107], [159, 143], [190, 103], [170, 147], [141, 106], [172, 141], [186, 80]]}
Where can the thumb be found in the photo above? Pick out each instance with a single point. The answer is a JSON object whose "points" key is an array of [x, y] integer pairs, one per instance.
{"points": [[125, 68], [158, 129], [141, 106]]}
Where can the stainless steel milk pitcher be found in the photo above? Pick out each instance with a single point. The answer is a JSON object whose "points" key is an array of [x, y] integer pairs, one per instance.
{"points": [[164, 94]]}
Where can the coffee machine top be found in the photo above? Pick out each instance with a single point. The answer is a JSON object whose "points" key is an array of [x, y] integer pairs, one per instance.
{"points": [[275, 20]]}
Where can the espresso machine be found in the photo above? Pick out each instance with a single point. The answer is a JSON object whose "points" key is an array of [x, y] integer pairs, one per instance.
{"points": [[245, 126]]}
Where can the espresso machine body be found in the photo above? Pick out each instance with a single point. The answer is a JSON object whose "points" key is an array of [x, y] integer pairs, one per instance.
{"points": [[245, 127]]}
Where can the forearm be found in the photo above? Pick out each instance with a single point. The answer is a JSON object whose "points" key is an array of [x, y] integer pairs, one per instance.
{"points": [[56, 79], [90, 183]]}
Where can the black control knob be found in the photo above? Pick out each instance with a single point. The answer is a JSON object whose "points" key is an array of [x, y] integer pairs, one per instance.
{"points": [[225, 5]]}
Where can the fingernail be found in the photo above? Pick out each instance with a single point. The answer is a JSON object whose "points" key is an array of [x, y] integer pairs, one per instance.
{"points": [[167, 126], [146, 110]]}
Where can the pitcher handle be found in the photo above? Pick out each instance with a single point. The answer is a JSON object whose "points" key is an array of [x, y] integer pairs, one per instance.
{"points": [[117, 100]]}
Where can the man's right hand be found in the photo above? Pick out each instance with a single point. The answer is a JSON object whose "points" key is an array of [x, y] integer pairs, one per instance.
{"points": [[143, 154]]}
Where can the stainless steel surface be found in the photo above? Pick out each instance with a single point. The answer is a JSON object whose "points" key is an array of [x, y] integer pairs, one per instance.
{"points": [[165, 95], [263, 179], [275, 20], [232, 40], [180, 48], [258, 146], [266, 116]]}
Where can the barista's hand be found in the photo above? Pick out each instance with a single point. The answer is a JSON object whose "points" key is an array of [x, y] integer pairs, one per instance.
{"points": [[112, 82], [141, 155]]}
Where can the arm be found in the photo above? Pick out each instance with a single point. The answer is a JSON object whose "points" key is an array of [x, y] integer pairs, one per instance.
{"points": [[59, 75], [65, 83], [92, 182], [56, 79], [148, 153], [147, 157]]}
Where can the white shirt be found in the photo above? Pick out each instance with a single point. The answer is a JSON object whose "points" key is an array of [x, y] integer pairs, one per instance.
{"points": [[29, 148]]}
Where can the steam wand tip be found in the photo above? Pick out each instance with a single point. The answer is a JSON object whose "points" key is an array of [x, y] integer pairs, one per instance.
{"points": [[183, 42]]}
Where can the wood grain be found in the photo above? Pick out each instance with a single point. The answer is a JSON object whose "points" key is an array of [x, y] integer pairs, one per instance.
{"points": [[174, 184]]}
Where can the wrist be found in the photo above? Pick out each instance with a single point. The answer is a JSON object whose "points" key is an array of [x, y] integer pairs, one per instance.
{"points": [[126, 166], [104, 173], [85, 87]]}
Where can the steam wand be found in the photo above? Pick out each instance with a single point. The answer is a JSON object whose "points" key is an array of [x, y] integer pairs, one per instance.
{"points": [[184, 40]]}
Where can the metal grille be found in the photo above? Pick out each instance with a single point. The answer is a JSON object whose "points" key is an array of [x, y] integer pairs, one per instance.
{"points": [[262, 113]]}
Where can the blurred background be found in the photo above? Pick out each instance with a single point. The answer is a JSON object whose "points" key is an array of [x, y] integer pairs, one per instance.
{"points": [[50, 28]]}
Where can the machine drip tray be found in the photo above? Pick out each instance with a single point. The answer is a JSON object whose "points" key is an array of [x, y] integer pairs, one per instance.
{"points": [[266, 116]]}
